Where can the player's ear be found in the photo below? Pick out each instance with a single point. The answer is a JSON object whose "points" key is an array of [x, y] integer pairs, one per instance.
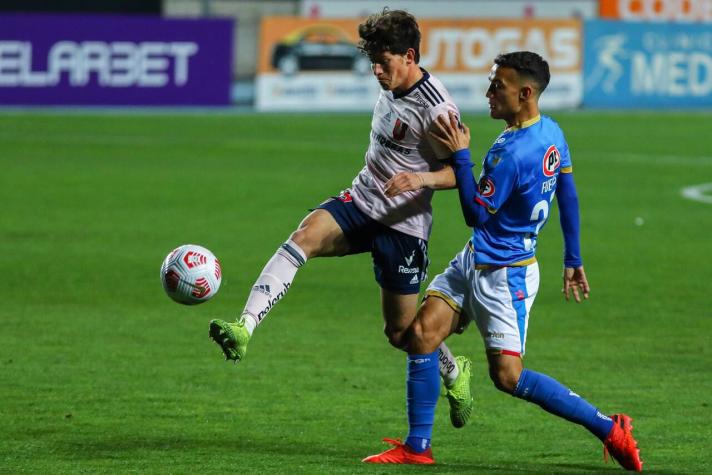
{"points": [[410, 56], [526, 92]]}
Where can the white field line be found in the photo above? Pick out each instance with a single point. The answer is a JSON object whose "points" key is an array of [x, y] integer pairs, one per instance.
{"points": [[698, 193], [701, 193]]}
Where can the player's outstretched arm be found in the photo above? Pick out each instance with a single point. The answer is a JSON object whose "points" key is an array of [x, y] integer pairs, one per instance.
{"points": [[401, 182], [443, 179]]}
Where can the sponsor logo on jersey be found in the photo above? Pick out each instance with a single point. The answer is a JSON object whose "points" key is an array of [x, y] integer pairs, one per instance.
{"points": [[486, 187], [384, 141], [408, 270], [552, 161], [495, 335], [399, 129]]}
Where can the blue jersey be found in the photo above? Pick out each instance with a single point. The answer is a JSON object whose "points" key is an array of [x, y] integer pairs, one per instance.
{"points": [[517, 186]]}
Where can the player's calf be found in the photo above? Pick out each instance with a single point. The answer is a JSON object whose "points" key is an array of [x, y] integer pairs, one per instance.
{"points": [[505, 369]]}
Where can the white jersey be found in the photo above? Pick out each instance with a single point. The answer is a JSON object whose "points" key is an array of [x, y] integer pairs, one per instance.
{"points": [[400, 143]]}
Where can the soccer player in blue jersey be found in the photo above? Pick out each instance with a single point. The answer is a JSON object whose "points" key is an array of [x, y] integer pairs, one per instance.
{"points": [[493, 281]]}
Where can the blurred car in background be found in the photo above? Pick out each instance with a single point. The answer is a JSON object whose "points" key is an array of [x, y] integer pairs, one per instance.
{"points": [[318, 48]]}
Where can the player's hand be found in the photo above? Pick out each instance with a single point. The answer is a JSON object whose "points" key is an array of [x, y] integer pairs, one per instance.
{"points": [[450, 132], [575, 283], [402, 182]]}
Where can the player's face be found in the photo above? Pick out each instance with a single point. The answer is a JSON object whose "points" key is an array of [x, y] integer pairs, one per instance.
{"points": [[391, 70], [504, 93]]}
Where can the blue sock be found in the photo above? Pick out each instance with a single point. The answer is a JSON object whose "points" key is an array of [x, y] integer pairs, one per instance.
{"points": [[422, 391], [555, 398]]}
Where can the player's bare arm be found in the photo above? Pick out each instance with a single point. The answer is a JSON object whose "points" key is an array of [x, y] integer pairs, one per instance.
{"points": [[450, 132], [575, 283], [443, 179]]}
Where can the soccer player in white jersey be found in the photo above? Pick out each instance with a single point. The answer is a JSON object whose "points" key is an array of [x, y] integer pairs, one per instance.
{"points": [[387, 210], [493, 281]]}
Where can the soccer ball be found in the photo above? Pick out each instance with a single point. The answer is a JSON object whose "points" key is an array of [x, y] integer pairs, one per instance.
{"points": [[191, 274]]}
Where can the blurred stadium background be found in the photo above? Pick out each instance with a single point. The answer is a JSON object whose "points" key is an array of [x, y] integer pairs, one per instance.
{"points": [[300, 55], [130, 127]]}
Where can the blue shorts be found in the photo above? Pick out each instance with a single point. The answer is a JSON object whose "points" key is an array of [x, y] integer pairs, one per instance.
{"points": [[400, 261]]}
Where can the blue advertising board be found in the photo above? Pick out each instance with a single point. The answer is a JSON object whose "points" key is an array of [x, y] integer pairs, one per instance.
{"points": [[647, 65], [114, 60]]}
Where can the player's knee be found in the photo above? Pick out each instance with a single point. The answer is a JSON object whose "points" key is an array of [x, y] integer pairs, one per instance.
{"points": [[421, 339], [302, 238], [396, 336], [505, 379]]}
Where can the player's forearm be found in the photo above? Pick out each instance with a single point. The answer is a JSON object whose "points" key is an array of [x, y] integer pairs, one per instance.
{"points": [[474, 213], [569, 217], [443, 179]]}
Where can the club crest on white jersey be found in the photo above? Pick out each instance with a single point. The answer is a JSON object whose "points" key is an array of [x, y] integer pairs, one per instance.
{"points": [[400, 143]]}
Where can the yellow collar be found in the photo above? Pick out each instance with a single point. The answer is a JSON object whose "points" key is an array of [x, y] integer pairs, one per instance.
{"points": [[525, 124]]}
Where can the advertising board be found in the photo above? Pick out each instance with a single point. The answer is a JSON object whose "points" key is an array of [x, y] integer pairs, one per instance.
{"points": [[306, 64], [643, 65], [110, 60], [657, 10]]}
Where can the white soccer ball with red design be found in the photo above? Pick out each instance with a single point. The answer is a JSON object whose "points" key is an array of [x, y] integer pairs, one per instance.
{"points": [[191, 274]]}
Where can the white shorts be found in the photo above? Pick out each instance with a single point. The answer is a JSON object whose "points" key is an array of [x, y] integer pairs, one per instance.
{"points": [[497, 299]]}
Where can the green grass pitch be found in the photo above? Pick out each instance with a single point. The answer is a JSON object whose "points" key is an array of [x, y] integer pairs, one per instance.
{"points": [[101, 373]]}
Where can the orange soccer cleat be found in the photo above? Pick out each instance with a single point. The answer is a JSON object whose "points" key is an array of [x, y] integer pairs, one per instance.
{"points": [[621, 444], [401, 453]]}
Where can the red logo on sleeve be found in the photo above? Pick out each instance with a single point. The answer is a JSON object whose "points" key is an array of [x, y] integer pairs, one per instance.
{"points": [[552, 161], [486, 187]]}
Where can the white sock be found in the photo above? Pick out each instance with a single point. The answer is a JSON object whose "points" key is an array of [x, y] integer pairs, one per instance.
{"points": [[273, 283], [448, 367]]}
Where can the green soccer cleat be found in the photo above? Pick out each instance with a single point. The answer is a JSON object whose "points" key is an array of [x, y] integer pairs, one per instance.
{"points": [[232, 337], [459, 395]]}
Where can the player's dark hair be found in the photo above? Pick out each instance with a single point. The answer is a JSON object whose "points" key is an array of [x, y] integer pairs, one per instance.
{"points": [[393, 31], [527, 64]]}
